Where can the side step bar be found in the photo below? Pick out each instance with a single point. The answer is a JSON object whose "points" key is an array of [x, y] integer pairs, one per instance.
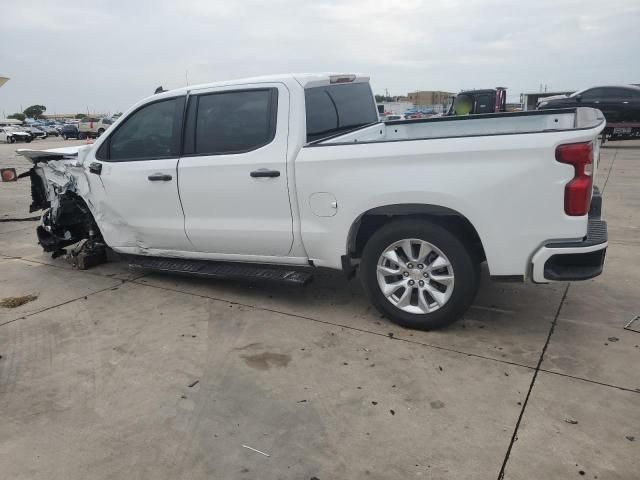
{"points": [[231, 271]]}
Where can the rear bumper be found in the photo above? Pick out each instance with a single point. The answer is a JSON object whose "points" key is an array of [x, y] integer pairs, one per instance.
{"points": [[558, 261]]}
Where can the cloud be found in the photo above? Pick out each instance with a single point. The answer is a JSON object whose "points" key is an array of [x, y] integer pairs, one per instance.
{"points": [[104, 56]]}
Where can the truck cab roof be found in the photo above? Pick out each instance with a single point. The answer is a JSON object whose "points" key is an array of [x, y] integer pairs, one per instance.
{"points": [[304, 79]]}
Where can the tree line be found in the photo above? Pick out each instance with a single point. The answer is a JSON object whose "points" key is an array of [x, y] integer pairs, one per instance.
{"points": [[36, 112]]}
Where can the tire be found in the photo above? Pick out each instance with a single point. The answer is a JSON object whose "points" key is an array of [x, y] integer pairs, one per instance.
{"points": [[65, 137], [452, 296], [81, 136], [28, 140], [100, 132]]}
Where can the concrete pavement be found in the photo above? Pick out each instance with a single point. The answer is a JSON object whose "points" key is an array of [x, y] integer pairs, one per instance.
{"points": [[113, 373]]}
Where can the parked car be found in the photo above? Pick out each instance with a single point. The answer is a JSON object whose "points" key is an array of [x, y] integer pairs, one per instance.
{"points": [[275, 175], [69, 131], [13, 134], [391, 118], [25, 130], [35, 132], [50, 130], [93, 127], [619, 104]]}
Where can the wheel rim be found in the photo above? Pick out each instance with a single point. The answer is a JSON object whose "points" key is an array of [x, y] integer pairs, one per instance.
{"points": [[415, 276]]}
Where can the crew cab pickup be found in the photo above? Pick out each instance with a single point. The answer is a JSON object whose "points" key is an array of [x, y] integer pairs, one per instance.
{"points": [[269, 177]]}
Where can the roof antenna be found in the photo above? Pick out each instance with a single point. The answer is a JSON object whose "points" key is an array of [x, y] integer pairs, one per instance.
{"points": [[159, 90]]}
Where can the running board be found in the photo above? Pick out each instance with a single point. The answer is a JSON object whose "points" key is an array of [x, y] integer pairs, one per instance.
{"points": [[231, 271]]}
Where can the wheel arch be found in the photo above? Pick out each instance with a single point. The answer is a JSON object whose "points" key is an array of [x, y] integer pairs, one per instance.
{"points": [[373, 219]]}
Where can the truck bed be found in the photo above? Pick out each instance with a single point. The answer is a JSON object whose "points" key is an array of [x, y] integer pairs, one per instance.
{"points": [[472, 125]]}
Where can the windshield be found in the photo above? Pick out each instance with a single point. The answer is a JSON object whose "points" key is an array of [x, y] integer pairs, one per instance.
{"points": [[579, 92]]}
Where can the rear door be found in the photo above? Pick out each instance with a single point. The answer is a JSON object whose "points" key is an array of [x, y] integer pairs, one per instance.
{"points": [[622, 100], [605, 100], [233, 172], [635, 107], [616, 104]]}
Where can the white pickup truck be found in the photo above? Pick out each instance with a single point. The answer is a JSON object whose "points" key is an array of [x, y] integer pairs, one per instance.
{"points": [[269, 177]]}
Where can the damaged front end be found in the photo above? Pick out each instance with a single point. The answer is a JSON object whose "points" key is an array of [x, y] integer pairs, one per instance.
{"points": [[57, 182]]}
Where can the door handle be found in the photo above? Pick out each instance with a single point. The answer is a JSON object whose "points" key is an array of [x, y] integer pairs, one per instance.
{"points": [[160, 177], [263, 172]]}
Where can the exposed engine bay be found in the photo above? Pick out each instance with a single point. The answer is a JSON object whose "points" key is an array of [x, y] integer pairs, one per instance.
{"points": [[67, 219]]}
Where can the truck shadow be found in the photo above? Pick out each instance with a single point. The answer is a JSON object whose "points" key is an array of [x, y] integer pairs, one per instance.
{"points": [[507, 321]]}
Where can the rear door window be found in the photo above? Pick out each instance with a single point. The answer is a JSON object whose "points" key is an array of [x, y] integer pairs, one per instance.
{"points": [[231, 122], [616, 93], [333, 109]]}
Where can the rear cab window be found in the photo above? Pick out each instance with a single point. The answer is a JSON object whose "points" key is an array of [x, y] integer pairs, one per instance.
{"points": [[334, 109]]}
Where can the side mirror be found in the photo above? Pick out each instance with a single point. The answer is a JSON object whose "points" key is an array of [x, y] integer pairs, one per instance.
{"points": [[95, 167]]}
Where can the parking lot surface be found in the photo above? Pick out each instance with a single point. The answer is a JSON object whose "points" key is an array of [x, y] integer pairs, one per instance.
{"points": [[115, 373]]}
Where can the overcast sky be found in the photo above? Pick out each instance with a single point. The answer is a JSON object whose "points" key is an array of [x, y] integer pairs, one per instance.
{"points": [[105, 55]]}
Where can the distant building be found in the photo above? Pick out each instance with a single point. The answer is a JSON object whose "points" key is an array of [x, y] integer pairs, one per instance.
{"points": [[429, 97]]}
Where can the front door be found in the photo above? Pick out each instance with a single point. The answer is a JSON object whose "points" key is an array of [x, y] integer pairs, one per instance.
{"points": [[135, 189], [232, 175]]}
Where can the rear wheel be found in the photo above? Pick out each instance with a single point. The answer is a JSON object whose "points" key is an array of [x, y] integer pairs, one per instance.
{"points": [[81, 136], [419, 274], [65, 137], [100, 131]]}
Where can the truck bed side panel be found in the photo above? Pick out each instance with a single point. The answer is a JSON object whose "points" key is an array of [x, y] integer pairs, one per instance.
{"points": [[509, 187]]}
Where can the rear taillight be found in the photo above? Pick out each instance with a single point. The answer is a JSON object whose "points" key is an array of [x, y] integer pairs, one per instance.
{"points": [[577, 193]]}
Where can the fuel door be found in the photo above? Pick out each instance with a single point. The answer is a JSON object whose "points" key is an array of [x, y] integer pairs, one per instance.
{"points": [[323, 204]]}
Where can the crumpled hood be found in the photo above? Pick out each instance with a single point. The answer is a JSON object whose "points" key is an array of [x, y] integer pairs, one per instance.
{"points": [[61, 170], [73, 153]]}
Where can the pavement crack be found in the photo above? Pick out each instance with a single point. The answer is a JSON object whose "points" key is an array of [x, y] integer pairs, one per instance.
{"points": [[122, 282], [23, 219], [533, 382], [606, 180], [595, 382]]}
